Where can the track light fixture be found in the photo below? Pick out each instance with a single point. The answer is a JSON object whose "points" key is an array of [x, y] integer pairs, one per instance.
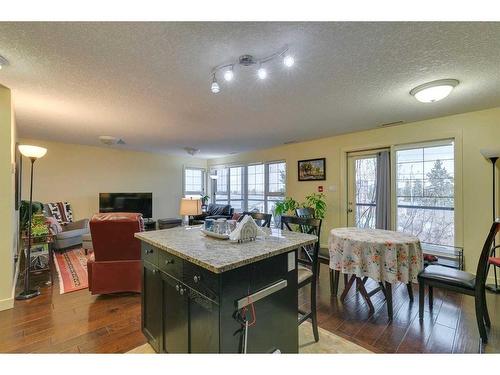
{"points": [[227, 70]]}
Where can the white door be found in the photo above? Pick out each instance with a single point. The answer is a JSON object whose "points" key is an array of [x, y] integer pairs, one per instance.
{"points": [[361, 192]]}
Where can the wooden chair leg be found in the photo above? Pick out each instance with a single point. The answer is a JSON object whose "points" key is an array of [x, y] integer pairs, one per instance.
{"points": [[388, 296], [480, 319], [346, 278], [410, 291], [347, 286], [421, 296], [314, 316], [362, 290], [485, 310], [431, 297]]}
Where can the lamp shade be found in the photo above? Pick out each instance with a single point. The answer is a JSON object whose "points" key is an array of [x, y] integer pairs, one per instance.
{"points": [[489, 153], [32, 151], [190, 207]]}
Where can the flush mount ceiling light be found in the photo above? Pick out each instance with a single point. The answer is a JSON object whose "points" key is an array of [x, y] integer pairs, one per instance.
{"points": [[249, 61], [191, 150], [434, 91]]}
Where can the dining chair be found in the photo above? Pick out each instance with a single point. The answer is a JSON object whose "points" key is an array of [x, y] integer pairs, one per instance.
{"points": [[263, 220], [462, 282], [307, 269], [324, 253]]}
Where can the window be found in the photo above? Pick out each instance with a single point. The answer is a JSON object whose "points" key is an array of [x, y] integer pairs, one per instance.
{"points": [[365, 191], [251, 187], [425, 192], [194, 182]]}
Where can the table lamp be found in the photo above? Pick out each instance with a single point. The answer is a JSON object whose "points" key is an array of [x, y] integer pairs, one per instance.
{"points": [[33, 153], [492, 155], [189, 207]]}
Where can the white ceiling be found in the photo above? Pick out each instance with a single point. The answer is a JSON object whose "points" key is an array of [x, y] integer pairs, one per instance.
{"points": [[148, 83]]}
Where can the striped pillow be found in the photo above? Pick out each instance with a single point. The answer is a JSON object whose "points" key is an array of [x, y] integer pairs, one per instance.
{"points": [[61, 211]]}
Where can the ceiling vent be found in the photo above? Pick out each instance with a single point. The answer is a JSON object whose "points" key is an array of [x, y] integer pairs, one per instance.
{"points": [[394, 123], [3, 62], [109, 140]]}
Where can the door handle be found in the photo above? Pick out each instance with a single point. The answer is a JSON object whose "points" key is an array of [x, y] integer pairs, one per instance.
{"points": [[349, 210]]}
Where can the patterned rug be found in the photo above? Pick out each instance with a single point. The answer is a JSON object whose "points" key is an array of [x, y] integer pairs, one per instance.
{"points": [[71, 267], [328, 343]]}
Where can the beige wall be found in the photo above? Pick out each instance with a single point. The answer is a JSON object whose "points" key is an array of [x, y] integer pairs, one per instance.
{"points": [[8, 231], [77, 173], [472, 131]]}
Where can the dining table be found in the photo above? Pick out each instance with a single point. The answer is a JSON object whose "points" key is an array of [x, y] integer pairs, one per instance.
{"points": [[385, 256]]}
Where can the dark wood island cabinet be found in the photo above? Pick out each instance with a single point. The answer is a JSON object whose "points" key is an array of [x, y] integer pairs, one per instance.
{"points": [[194, 287]]}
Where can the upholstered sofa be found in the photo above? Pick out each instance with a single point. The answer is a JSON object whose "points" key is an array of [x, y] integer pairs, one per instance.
{"points": [[214, 211], [68, 234]]}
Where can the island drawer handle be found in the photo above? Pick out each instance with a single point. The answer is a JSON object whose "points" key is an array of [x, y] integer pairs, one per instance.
{"points": [[196, 278], [245, 301], [177, 287], [149, 251], [169, 261]]}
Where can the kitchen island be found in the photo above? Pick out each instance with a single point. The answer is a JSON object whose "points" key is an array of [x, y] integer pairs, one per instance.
{"points": [[195, 289]]}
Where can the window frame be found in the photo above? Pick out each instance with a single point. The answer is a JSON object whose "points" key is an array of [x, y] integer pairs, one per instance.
{"points": [[244, 200], [457, 181], [203, 182]]}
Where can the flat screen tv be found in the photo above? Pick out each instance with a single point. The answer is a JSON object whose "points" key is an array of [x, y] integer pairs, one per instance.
{"points": [[127, 202]]}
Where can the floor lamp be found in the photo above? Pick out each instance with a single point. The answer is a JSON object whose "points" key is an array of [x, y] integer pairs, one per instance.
{"points": [[492, 156], [33, 153]]}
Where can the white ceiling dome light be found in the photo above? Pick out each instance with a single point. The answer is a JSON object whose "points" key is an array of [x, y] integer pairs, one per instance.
{"points": [[434, 91]]}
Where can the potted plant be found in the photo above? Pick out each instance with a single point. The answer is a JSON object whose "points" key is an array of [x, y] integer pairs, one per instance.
{"points": [[318, 203], [204, 200], [284, 207]]}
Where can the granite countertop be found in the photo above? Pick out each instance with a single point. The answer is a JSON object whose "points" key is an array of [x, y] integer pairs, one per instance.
{"points": [[222, 255]]}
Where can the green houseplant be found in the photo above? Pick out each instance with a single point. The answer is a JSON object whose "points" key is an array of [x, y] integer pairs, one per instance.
{"points": [[318, 203]]}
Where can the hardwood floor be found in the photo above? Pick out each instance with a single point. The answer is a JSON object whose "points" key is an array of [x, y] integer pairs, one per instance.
{"points": [[449, 328], [80, 323]]}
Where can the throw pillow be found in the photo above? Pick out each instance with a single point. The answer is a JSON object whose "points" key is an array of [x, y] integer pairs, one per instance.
{"points": [[62, 212], [54, 225]]}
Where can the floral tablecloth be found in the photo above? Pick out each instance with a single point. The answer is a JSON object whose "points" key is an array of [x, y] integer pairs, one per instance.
{"points": [[381, 255]]}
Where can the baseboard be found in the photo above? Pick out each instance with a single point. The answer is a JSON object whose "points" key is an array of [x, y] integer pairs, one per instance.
{"points": [[6, 304]]}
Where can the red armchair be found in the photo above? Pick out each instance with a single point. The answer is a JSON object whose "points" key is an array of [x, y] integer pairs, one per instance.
{"points": [[116, 265]]}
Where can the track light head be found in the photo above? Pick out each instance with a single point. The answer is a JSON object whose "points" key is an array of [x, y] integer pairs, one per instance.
{"points": [[288, 61], [262, 73], [215, 88], [229, 74]]}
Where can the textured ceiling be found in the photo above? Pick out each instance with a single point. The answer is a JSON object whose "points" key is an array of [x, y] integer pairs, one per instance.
{"points": [[148, 83]]}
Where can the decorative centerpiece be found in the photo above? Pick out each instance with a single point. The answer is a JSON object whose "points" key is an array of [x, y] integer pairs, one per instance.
{"points": [[244, 231]]}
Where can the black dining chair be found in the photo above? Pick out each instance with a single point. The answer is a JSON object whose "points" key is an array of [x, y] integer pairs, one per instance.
{"points": [[307, 269], [462, 282], [324, 254], [263, 220]]}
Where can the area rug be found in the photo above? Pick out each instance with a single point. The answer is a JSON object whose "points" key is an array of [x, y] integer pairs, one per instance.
{"points": [[71, 267], [328, 343]]}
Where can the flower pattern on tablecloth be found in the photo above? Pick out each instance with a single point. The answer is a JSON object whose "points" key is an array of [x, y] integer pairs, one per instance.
{"points": [[381, 255]]}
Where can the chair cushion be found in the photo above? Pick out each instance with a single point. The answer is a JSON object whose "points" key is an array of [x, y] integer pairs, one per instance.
{"points": [[303, 273], [324, 253], [71, 233], [494, 261], [449, 276]]}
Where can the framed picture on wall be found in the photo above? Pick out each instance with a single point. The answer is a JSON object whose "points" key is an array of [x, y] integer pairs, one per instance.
{"points": [[18, 168], [312, 169]]}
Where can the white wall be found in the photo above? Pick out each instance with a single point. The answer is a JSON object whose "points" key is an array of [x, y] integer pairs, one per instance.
{"points": [[77, 174]]}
